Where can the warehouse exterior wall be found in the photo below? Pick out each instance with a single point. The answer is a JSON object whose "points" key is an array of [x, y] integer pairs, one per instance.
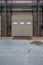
{"points": [[5, 26]]}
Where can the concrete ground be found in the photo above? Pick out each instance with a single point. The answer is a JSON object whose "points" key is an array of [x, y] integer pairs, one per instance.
{"points": [[11, 38], [21, 52]]}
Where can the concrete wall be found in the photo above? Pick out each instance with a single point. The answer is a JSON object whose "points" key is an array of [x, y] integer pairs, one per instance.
{"points": [[22, 29], [35, 22], [0, 25], [3, 26]]}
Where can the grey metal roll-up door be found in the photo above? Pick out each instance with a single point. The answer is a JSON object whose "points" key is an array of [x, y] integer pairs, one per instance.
{"points": [[0, 24], [22, 24]]}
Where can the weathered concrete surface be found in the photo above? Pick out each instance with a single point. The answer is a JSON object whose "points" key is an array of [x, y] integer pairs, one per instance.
{"points": [[20, 52], [32, 38], [0, 25]]}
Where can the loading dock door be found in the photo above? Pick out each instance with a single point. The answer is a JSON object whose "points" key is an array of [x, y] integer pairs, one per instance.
{"points": [[0, 25], [22, 24]]}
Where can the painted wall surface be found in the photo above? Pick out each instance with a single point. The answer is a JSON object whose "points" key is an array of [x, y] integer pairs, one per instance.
{"points": [[22, 24]]}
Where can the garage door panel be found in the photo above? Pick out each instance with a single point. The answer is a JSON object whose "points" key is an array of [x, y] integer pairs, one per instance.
{"points": [[22, 17], [22, 26], [22, 30]]}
